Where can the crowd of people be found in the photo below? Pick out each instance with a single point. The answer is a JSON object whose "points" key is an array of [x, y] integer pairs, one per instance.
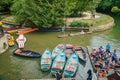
{"points": [[104, 59]]}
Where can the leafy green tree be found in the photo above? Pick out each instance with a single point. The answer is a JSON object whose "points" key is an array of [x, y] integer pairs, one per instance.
{"points": [[84, 5], [115, 10], [48, 13], [92, 5], [41, 13], [5, 5], [106, 5]]}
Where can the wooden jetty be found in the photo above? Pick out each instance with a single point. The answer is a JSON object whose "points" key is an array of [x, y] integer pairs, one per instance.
{"points": [[55, 79]]}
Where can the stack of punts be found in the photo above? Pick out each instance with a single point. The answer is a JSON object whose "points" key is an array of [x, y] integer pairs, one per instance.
{"points": [[71, 66], [81, 53], [68, 50], [46, 60], [58, 63], [26, 53], [57, 50]]}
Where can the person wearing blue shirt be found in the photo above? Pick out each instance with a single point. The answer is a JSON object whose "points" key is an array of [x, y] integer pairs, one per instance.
{"points": [[100, 49], [63, 30], [108, 48], [114, 56]]}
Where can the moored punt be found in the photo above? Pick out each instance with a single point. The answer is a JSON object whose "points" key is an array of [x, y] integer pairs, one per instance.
{"points": [[63, 36], [102, 64], [10, 40], [68, 50], [103, 59], [57, 50], [55, 79], [46, 60], [26, 53], [71, 66], [114, 76], [58, 63], [81, 53]]}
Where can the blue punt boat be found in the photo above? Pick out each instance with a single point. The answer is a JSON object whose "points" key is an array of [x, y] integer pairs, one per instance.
{"points": [[26, 53], [58, 63], [57, 50], [46, 60], [68, 50], [81, 53], [71, 66]]}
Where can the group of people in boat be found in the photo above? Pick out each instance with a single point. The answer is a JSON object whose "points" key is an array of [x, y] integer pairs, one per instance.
{"points": [[103, 58]]}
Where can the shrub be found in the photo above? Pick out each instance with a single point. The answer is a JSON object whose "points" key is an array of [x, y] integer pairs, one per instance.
{"points": [[115, 9], [79, 24], [0, 18]]}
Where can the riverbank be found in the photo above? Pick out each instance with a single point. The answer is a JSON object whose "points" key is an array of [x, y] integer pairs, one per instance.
{"points": [[100, 22]]}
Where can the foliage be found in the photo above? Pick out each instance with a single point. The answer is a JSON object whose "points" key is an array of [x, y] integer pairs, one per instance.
{"points": [[84, 5], [115, 9], [48, 13], [104, 4], [107, 6], [0, 18], [5, 5], [79, 24], [41, 13]]}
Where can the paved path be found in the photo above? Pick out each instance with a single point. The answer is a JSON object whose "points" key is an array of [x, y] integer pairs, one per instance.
{"points": [[82, 71], [69, 20]]}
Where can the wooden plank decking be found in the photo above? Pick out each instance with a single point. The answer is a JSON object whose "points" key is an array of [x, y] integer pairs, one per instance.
{"points": [[55, 79]]}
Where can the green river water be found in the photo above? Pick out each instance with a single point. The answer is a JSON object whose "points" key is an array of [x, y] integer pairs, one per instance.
{"points": [[16, 68]]}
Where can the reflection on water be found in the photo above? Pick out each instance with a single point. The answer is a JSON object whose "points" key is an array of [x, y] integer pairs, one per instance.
{"points": [[15, 68]]}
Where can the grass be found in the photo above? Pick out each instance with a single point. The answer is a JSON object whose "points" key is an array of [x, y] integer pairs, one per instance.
{"points": [[103, 19]]}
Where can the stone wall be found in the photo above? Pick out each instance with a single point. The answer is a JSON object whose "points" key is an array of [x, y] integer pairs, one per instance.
{"points": [[3, 44]]}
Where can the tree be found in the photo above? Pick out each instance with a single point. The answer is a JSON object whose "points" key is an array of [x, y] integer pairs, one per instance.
{"points": [[84, 5], [5, 5], [106, 5], [115, 10], [48, 13], [41, 13]]}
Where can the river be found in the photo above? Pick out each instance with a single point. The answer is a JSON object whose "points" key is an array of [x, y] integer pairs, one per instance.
{"points": [[16, 68]]}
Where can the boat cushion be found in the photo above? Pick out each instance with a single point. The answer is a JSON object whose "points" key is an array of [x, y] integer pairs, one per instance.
{"points": [[77, 49], [69, 46], [60, 46], [70, 69], [57, 67], [18, 51]]}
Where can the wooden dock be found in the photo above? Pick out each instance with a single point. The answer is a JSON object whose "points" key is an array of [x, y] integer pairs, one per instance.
{"points": [[90, 50], [55, 79]]}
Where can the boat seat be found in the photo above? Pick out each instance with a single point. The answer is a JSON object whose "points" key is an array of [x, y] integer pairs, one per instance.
{"points": [[57, 67], [30, 53], [70, 69], [18, 51], [47, 61], [59, 51]]}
